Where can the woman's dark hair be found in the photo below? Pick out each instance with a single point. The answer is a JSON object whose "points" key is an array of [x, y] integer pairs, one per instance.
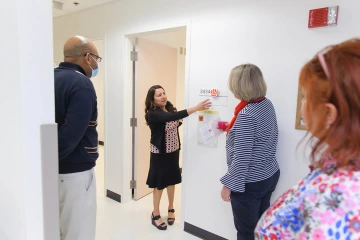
{"points": [[150, 104]]}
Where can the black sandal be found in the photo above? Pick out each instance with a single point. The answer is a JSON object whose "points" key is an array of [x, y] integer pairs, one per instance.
{"points": [[171, 220], [162, 226]]}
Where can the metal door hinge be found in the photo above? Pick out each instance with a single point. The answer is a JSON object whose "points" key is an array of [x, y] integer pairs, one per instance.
{"points": [[182, 51], [134, 56], [132, 184], [133, 122]]}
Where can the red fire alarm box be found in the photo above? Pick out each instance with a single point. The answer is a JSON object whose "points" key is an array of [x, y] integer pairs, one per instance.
{"points": [[323, 17]]}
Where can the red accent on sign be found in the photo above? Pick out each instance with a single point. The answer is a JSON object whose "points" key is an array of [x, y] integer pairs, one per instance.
{"points": [[214, 92], [318, 17]]}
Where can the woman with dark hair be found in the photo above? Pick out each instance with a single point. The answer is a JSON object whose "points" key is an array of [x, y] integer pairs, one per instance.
{"points": [[163, 120], [326, 203]]}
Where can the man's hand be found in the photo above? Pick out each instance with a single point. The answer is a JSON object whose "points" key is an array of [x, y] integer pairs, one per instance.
{"points": [[225, 194]]}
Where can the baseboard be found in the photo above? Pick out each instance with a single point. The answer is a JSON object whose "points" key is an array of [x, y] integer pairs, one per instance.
{"points": [[101, 143], [201, 233], [113, 196]]}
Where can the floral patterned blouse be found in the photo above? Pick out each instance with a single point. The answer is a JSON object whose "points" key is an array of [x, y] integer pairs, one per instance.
{"points": [[324, 205], [171, 138]]}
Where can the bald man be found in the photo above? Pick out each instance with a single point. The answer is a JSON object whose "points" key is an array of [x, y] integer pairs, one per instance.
{"points": [[76, 116]]}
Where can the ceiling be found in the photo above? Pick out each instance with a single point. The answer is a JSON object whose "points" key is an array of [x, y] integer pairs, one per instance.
{"points": [[69, 6]]}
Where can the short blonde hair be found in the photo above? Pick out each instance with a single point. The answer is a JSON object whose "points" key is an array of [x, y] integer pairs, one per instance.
{"points": [[246, 82]]}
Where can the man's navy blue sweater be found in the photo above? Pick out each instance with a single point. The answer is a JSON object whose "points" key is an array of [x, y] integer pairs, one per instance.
{"points": [[76, 116]]}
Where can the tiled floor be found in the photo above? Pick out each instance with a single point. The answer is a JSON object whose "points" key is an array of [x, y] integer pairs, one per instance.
{"points": [[128, 221]]}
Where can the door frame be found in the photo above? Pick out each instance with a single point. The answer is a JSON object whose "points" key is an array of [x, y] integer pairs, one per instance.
{"points": [[128, 108], [103, 39]]}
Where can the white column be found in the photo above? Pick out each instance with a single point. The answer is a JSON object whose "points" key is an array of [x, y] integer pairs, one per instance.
{"points": [[28, 184]]}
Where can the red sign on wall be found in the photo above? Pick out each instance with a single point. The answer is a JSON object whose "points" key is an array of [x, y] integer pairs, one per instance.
{"points": [[323, 17]]}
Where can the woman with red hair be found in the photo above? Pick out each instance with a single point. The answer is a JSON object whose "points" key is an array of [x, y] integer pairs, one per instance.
{"points": [[326, 203]]}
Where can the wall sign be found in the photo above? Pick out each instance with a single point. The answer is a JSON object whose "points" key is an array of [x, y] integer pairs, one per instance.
{"points": [[323, 17], [208, 131], [209, 92], [217, 96]]}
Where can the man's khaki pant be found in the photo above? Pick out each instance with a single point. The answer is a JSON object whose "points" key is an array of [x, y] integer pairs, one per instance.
{"points": [[77, 193]]}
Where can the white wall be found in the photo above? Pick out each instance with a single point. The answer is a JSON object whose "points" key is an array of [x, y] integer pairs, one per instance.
{"points": [[27, 101], [12, 218], [271, 34], [180, 89], [99, 82]]}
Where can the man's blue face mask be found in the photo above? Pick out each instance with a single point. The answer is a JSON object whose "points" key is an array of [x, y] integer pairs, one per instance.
{"points": [[94, 71]]}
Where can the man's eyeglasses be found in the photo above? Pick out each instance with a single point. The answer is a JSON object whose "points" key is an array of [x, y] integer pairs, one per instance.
{"points": [[96, 57]]}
